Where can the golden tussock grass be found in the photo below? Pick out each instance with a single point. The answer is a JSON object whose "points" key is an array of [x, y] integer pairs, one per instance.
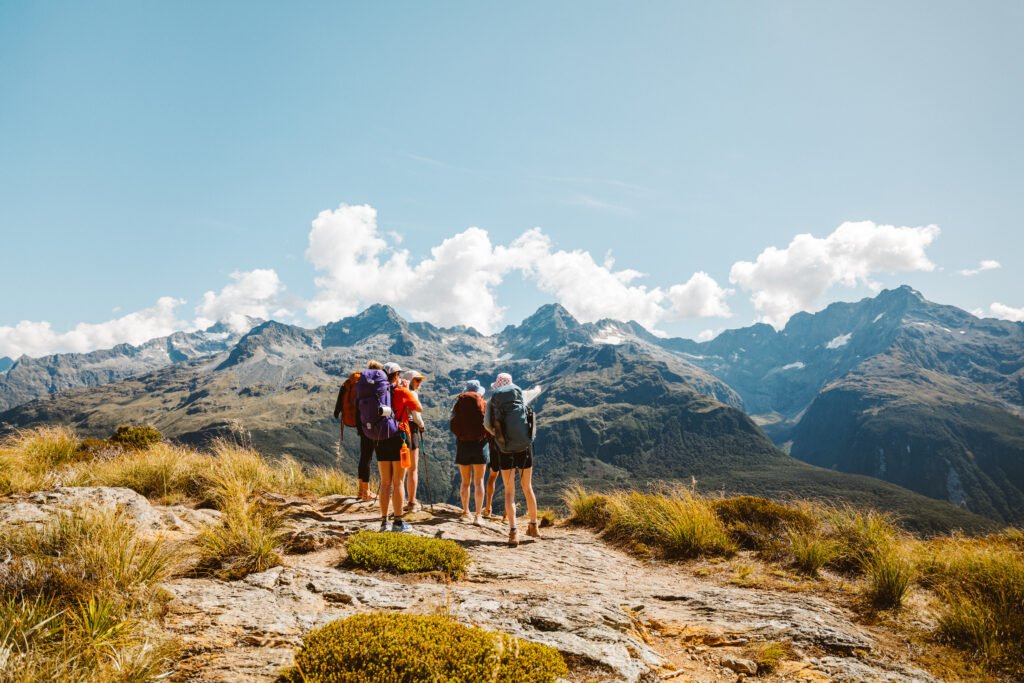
{"points": [[77, 593]]}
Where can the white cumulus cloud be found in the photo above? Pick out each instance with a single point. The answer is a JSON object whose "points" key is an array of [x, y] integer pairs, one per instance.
{"points": [[1005, 312], [252, 293], [785, 281], [984, 265], [40, 339], [456, 283]]}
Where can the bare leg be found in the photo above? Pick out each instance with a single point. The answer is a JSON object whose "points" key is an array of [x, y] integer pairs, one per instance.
{"points": [[414, 475], [478, 484], [508, 479], [526, 479], [492, 478], [385, 485], [397, 472], [467, 477]]}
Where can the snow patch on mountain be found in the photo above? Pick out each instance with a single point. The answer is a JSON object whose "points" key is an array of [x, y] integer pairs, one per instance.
{"points": [[841, 340]]}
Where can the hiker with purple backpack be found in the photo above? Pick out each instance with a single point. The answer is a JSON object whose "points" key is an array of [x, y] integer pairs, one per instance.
{"points": [[380, 424]]}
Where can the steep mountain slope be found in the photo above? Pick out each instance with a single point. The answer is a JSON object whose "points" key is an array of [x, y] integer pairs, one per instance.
{"points": [[897, 387], [626, 413], [28, 378]]}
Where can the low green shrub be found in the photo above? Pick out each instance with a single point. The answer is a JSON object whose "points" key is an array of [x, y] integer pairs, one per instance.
{"points": [[419, 649], [138, 437], [760, 524], [406, 553]]}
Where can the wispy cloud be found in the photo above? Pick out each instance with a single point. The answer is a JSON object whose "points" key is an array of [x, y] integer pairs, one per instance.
{"points": [[984, 265], [437, 163], [609, 182], [591, 202]]}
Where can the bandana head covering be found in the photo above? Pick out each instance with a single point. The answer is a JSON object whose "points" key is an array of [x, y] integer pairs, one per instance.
{"points": [[504, 379]]}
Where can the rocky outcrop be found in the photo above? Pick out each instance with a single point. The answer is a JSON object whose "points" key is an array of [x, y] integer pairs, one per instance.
{"points": [[38, 507]]}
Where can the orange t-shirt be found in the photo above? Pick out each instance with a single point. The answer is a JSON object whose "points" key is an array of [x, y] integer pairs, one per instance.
{"points": [[402, 401]]}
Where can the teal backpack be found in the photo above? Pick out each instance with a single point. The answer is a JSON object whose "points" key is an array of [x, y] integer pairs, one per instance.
{"points": [[514, 426]]}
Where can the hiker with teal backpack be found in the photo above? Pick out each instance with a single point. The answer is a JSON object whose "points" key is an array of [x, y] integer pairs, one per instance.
{"points": [[509, 418]]}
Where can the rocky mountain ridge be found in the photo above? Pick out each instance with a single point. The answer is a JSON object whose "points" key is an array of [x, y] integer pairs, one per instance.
{"points": [[28, 378], [619, 408]]}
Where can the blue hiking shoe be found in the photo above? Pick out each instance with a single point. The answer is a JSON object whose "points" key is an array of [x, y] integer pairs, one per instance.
{"points": [[383, 525], [401, 526]]}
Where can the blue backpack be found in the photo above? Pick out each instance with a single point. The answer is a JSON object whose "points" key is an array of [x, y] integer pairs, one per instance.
{"points": [[513, 420], [373, 404]]}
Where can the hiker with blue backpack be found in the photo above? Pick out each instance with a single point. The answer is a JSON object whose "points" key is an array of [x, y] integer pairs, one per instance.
{"points": [[382, 406], [510, 420]]}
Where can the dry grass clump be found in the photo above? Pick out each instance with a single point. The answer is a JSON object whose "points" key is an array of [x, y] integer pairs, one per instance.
{"points": [[248, 540], [43, 457], [812, 549], [585, 508], [238, 470], [77, 593], [679, 523], [419, 649], [871, 542], [981, 582], [30, 458], [760, 524], [768, 656], [163, 472]]}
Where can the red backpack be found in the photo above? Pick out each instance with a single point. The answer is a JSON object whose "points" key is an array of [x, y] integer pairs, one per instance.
{"points": [[467, 422], [349, 412]]}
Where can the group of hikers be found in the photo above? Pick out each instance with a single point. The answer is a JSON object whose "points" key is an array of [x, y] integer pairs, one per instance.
{"points": [[493, 436]]}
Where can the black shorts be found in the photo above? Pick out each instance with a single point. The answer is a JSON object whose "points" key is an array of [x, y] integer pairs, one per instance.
{"points": [[471, 452], [389, 450], [415, 439], [519, 461]]}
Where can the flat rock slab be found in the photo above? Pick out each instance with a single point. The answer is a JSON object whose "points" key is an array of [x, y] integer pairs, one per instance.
{"points": [[39, 506]]}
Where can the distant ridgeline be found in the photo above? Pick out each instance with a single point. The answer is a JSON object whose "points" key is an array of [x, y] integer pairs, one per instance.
{"points": [[910, 393]]}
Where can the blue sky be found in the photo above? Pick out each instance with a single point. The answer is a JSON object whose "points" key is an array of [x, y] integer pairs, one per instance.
{"points": [[151, 150]]}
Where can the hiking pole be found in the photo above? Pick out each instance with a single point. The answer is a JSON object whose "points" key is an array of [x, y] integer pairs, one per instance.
{"points": [[426, 472]]}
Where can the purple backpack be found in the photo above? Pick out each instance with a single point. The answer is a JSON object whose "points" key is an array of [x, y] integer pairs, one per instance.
{"points": [[373, 405]]}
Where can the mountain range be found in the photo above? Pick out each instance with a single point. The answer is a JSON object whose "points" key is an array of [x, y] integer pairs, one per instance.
{"points": [[866, 402]]}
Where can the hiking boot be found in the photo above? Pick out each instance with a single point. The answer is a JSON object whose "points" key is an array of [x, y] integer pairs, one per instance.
{"points": [[401, 526], [477, 520], [383, 525], [513, 537], [465, 517], [412, 506], [532, 530]]}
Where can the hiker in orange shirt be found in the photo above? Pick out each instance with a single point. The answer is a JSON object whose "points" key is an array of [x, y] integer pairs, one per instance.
{"points": [[413, 379]]}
